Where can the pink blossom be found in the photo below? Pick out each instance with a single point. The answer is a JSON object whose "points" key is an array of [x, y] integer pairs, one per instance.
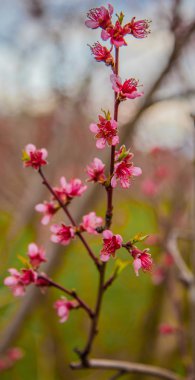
{"points": [[36, 255], [14, 282], [95, 171], [167, 329], [48, 209], [149, 187], [128, 89], [63, 307], [140, 28], [74, 188], [17, 281], [116, 34], [99, 17], [62, 234], [90, 222], [142, 260], [124, 170], [106, 131], [34, 157], [110, 244], [102, 54], [15, 354], [28, 276]]}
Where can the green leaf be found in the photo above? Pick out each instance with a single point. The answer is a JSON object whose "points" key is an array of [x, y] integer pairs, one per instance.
{"points": [[24, 260], [120, 265], [25, 156], [138, 238]]}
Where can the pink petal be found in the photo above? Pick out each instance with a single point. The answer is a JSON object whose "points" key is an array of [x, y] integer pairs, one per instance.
{"points": [[46, 219], [63, 182], [40, 207], [107, 234], [137, 264], [44, 153], [125, 183], [54, 239], [32, 249], [104, 257], [119, 239], [19, 291], [115, 140], [54, 228], [93, 128], [134, 95], [30, 148], [136, 171], [101, 143], [10, 281], [114, 124], [14, 272], [113, 181], [99, 164], [104, 35], [91, 24], [111, 9]]}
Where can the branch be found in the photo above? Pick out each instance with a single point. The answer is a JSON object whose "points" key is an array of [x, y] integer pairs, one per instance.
{"points": [[71, 293], [127, 367], [64, 207], [185, 274]]}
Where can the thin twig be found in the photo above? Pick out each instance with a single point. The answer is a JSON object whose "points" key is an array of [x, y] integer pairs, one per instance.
{"points": [[64, 207], [71, 293], [128, 368]]}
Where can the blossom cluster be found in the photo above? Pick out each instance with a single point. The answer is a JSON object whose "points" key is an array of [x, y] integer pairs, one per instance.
{"points": [[19, 280], [122, 172]]}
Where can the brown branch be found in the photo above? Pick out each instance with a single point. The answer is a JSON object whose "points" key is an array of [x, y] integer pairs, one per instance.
{"points": [[71, 293], [93, 330], [65, 209], [108, 218], [127, 367]]}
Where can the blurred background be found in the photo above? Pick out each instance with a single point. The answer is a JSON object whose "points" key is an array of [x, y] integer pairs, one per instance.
{"points": [[51, 88]]}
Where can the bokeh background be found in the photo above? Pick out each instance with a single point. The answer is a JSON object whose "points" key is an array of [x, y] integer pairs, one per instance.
{"points": [[50, 90]]}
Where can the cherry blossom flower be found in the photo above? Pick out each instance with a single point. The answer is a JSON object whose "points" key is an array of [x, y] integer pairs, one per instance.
{"points": [[102, 54], [140, 28], [142, 260], [62, 234], [69, 190], [90, 222], [125, 90], [36, 255], [99, 17], [34, 157], [167, 329], [105, 130], [110, 244], [116, 34], [124, 170], [95, 171], [48, 209], [63, 307], [14, 282], [17, 281]]}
